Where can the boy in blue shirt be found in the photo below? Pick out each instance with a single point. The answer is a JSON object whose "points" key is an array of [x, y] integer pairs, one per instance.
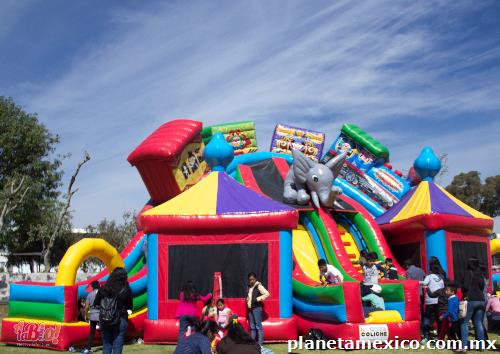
{"points": [[452, 313]]}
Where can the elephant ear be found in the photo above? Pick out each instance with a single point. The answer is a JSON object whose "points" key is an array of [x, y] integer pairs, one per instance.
{"points": [[301, 165], [335, 164]]}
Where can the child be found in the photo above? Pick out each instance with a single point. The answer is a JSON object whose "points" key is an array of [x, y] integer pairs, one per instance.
{"points": [[370, 273], [82, 315], [223, 314], [328, 274], [390, 270], [376, 302], [209, 312], [452, 313]]}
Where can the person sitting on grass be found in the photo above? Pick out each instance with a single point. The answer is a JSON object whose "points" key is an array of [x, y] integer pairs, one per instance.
{"points": [[237, 340], [328, 274], [198, 342], [374, 300]]}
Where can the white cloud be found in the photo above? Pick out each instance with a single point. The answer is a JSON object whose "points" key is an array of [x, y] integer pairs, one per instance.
{"points": [[296, 62]]}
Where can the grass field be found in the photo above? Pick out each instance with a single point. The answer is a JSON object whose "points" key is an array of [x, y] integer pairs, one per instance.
{"points": [[165, 349]]}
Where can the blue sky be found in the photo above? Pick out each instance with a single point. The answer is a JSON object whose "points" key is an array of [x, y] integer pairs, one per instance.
{"points": [[104, 74]]}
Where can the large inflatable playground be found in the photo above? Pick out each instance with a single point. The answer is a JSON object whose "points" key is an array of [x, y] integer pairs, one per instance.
{"points": [[217, 211]]}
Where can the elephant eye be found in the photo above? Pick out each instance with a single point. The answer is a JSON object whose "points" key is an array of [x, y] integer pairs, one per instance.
{"points": [[315, 178]]}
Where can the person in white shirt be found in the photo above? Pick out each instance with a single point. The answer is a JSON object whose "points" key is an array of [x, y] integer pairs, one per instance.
{"points": [[328, 274], [434, 282]]}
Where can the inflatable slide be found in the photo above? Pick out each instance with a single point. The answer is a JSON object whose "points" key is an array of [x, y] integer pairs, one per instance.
{"points": [[45, 314], [337, 236]]}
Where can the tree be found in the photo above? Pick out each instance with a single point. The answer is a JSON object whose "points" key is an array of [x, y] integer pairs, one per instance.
{"points": [[30, 175], [118, 235], [491, 196], [483, 197]]}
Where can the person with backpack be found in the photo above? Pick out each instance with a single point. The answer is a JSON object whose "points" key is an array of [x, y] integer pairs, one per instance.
{"points": [[92, 309], [472, 291], [256, 295], [115, 300], [433, 282]]}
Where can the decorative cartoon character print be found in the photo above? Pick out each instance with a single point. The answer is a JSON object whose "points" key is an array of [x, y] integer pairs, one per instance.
{"points": [[193, 161], [238, 139]]}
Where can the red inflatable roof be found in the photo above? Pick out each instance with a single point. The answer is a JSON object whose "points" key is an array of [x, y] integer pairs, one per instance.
{"points": [[166, 142]]}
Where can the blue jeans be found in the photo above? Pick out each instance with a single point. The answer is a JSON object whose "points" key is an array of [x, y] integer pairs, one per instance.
{"points": [[475, 311], [114, 337], [183, 323], [255, 319]]}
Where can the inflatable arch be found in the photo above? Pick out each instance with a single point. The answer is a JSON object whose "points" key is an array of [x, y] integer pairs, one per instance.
{"points": [[83, 249]]}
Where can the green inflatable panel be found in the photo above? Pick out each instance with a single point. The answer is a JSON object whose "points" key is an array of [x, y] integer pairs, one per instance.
{"points": [[37, 310], [365, 140]]}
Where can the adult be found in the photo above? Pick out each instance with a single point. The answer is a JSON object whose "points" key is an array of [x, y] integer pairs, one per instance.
{"points": [[237, 340], [116, 287], [416, 273], [434, 262], [256, 295], [187, 307], [472, 291], [92, 309], [433, 282], [199, 341]]}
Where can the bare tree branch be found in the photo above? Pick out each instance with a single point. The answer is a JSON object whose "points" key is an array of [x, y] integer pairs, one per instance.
{"points": [[12, 201], [60, 220]]}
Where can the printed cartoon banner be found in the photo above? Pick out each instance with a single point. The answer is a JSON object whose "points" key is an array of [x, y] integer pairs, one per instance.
{"points": [[241, 136], [356, 154], [191, 165], [287, 138]]}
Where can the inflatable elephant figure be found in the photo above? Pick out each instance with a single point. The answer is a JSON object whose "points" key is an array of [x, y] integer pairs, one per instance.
{"points": [[308, 180]]}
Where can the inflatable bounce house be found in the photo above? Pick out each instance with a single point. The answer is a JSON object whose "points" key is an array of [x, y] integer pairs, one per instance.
{"points": [[430, 222], [220, 209]]}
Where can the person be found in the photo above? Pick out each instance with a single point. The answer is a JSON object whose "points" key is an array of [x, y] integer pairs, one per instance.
{"points": [[117, 287], [444, 325], [416, 273], [187, 306], [223, 314], [493, 310], [434, 262], [380, 266], [237, 340], [363, 256], [472, 291], [256, 295], [328, 274], [390, 269], [209, 311], [81, 310], [485, 273], [198, 342], [370, 276], [93, 315], [374, 299], [451, 314], [412, 271], [433, 282]]}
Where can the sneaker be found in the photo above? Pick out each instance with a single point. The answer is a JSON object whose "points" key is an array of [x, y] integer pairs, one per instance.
{"points": [[423, 341]]}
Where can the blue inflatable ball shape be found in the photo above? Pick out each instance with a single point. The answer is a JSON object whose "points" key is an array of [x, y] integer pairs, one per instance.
{"points": [[427, 164], [218, 153]]}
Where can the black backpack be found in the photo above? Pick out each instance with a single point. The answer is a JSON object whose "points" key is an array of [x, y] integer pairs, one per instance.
{"points": [[109, 313], [315, 334]]}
